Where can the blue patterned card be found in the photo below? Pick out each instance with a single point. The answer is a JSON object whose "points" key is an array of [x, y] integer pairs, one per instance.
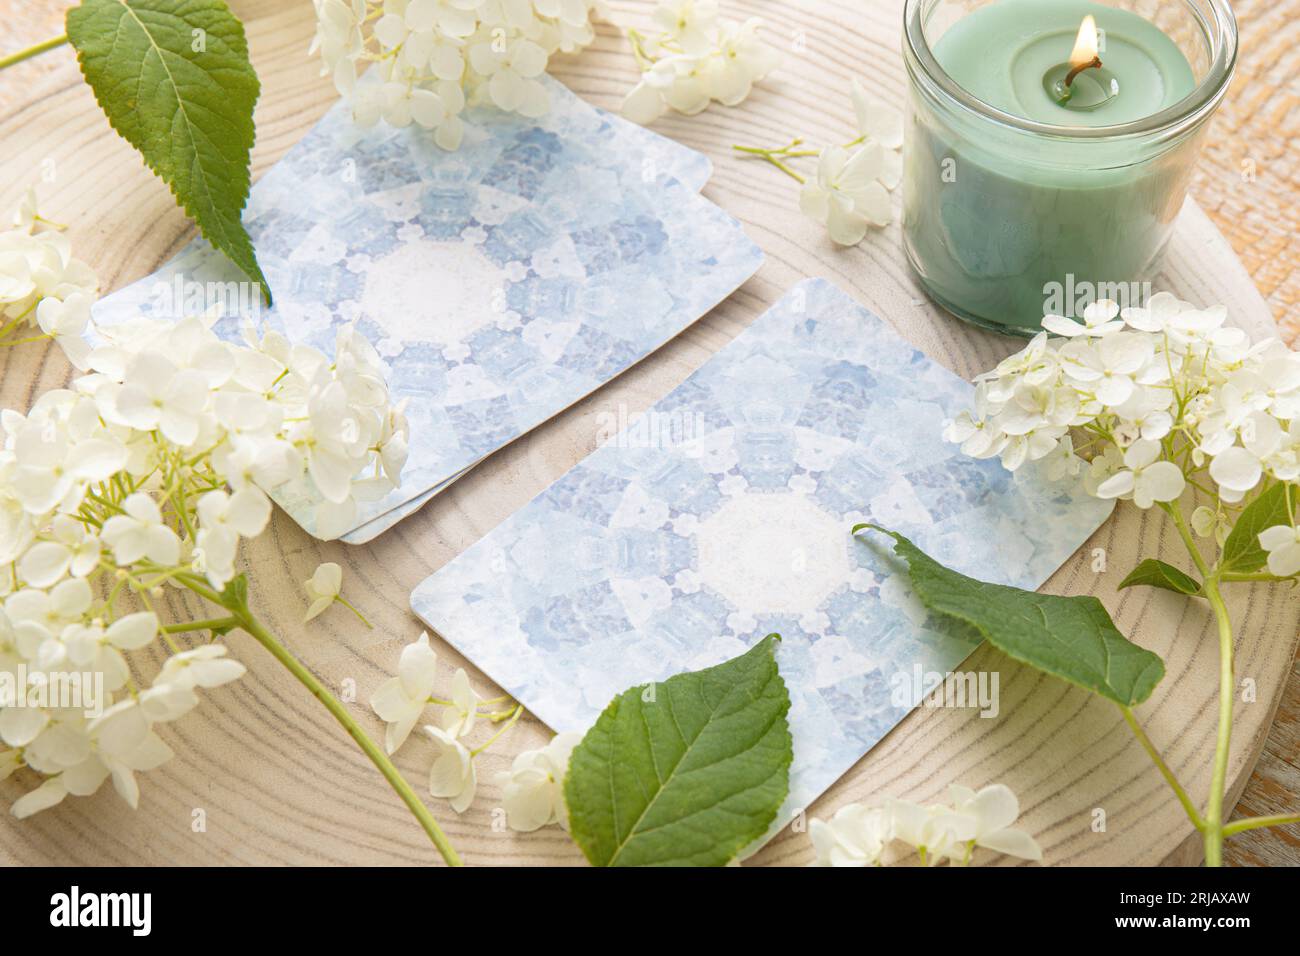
{"points": [[500, 283], [723, 514], [377, 526]]}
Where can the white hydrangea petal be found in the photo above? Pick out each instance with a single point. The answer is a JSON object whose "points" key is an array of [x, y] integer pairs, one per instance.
{"points": [[1285, 561], [873, 204], [862, 168], [150, 755], [814, 202], [142, 508], [121, 728], [452, 773], [1013, 843], [47, 795], [995, 807], [1116, 486], [1099, 311], [161, 545], [418, 668], [528, 59], [167, 701], [1162, 481], [1236, 469], [1141, 453], [891, 169], [327, 579], [317, 608], [1060, 325], [689, 94], [133, 631], [398, 732], [1278, 536], [846, 226], [86, 777], [332, 475], [98, 459], [644, 104], [421, 15], [483, 59], [528, 802], [127, 787], [19, 726], [10, 761], [449, 134], [70, 599], [390, 30], [249, 511], [215, 673], [390, 701], [44, 563]]}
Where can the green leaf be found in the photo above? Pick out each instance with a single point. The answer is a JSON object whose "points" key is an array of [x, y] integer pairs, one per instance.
{"points": [[1157, 574], [174, 80], [234, 596], [687, 772], [1241, 552], [1069, 637]]}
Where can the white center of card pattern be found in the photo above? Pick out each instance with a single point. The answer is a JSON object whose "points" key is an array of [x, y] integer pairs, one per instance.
{"points": [[460, 302], [780, 546]]}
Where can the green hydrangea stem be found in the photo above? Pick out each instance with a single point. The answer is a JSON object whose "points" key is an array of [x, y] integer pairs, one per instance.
{"points": [[1190, 808], [32, 51], [778, 156], [1254, 823], [1214, 829], [1211, 822], [207, 624], [241, 613], [1212, 825]]}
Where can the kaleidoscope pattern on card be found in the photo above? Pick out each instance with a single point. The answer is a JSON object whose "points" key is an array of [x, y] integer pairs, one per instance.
{"points": [[724, 513], [386, 157], [500, 283]]}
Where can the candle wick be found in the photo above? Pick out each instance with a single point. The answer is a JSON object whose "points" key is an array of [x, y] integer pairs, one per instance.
{"points": [[1094, 62]]}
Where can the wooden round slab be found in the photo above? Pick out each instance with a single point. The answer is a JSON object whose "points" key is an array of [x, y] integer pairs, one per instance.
{"points": [[262, 775]]}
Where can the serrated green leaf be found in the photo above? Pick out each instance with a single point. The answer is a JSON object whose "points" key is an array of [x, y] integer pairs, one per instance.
{"points": [[174, 79], [1069, 637], [1157, 574], [1241, 551], [687, 772]]}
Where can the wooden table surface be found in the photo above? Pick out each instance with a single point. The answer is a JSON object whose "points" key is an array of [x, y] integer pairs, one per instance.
{"points": [[1248, 182]]}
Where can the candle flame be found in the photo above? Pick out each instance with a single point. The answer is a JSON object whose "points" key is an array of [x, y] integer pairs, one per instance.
{"points": [[1085, 44]]}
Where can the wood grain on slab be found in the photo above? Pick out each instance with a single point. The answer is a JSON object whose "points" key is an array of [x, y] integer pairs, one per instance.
{"points": [[278, 781]]}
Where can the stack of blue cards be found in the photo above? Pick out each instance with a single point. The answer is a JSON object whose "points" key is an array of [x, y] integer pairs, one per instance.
{"points": [[501, 283]]}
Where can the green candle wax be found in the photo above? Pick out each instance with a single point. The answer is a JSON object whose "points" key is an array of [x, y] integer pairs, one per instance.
{"points": [[999, 54], [999, 219]]}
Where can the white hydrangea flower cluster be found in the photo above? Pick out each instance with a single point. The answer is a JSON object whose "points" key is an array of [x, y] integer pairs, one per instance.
{"points": [[147, 471], [861, 835], [257, 414], [44, 637], [694, 59], [1158, 395], [43, 288], [433, 56], [849, 191], [533, 788]]}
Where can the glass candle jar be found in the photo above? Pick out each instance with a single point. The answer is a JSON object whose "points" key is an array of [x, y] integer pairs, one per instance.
{"points": [[1007, 218]]}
